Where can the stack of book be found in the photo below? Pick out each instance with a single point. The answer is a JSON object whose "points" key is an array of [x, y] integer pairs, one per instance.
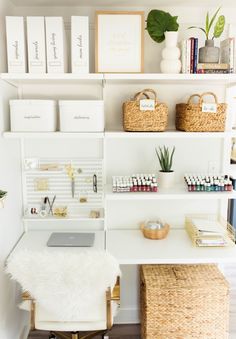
{"points": [[189, 58], [209, 232]]}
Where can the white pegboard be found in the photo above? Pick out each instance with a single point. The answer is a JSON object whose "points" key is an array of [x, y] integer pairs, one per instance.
{"points": [[59, 183]]}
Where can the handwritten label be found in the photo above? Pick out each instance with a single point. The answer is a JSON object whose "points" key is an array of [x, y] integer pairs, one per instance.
{"points": [[147, 105], [209, 108]]}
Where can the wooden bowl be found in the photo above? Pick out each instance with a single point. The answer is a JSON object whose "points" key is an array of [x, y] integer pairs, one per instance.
{"points": [[155, 234]]}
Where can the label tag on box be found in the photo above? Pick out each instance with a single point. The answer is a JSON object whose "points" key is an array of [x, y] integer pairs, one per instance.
{"points": [[209, 108], [147, 105]]}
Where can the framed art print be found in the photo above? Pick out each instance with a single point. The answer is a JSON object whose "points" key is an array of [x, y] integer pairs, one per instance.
{"points": [[119, 42]]}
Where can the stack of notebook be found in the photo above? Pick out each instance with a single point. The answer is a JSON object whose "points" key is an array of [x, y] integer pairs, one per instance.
{"points": [[206, 232]]}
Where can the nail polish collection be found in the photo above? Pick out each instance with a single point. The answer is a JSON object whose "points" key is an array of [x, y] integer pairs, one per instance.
{"points": [[134, 183], [208, 183]]}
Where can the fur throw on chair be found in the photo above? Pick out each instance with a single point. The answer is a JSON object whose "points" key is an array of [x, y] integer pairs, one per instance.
{"points": [[69, 284]]}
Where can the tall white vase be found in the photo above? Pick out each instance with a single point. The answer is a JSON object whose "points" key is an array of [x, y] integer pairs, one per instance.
{"points": [[170, 55]]}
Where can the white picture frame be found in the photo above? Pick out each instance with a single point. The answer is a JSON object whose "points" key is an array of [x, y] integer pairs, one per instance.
{"points": [[119, 42]]}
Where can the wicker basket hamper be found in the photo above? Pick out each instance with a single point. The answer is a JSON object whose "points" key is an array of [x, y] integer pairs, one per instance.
{"points": [[137, 120], [183, 302], [190, 117]]}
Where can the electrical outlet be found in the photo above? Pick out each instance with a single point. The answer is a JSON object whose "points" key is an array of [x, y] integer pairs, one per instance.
{"points": [[212, 167]]}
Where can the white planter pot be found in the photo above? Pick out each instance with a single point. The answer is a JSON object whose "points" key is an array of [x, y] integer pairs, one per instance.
{"points": [[166, 179], [170, 55]]}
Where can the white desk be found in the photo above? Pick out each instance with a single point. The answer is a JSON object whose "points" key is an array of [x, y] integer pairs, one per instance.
{"points": [[130, 248], [37, 240]]}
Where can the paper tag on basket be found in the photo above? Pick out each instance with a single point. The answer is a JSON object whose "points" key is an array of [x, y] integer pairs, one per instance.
{"points": [[147, 105], [209, 108]]}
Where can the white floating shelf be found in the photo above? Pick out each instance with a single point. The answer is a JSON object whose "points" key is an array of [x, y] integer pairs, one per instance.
{"points": [[168, 134], [18, 79], [45, 135], [177, 192], [161, 77], [177, 248], [62, 219]]}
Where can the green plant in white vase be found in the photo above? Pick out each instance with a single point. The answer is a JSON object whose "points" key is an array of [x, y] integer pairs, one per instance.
{"points": [[3, 195], [210, 53], [166, 174], [162, 26]]}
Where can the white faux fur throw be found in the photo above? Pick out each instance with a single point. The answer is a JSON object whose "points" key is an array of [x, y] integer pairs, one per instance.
{"points": [[69, 284]]}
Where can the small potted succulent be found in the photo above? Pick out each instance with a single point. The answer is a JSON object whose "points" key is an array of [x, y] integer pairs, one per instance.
{"points": [[166, 174], [210, 53], [3, 195], [163, 26]]}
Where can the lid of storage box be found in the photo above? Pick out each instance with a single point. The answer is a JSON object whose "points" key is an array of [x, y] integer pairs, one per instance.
{"points": [[32, 102], [182, 276], [78, 102]]}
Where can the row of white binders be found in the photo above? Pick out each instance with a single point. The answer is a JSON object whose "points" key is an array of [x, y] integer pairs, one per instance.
{"points": [[46, 44]]}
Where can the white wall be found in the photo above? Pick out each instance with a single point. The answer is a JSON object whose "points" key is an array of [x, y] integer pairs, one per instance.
{"points": [[126, 160], [12, 320]]}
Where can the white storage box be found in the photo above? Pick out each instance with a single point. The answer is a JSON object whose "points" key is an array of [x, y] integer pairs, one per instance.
{"points": [[81, 115], [33, 115]]}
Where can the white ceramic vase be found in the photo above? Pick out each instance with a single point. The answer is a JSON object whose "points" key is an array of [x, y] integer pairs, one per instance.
{"points": [[166, 179], [170, 62]]}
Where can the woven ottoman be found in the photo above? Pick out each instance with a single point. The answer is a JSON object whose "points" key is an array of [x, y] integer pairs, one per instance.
{"points": [[183, 302]]}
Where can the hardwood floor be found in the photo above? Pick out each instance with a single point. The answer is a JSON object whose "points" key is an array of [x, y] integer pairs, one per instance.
{"points": [[117, 332]]}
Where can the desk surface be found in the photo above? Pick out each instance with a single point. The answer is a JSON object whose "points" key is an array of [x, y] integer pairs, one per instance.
{"points": [[130, 247], [37, 240]]}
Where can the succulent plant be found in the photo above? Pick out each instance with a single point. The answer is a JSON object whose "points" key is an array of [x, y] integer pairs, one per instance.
{"points": [[165, 158]]}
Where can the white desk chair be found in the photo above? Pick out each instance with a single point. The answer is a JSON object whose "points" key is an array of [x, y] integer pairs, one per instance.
{"points": [[101, 318]]}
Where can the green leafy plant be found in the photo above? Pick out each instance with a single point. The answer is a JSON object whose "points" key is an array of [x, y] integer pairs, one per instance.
{"points": [[219, 26], [165, 158], [159, 22], [2, 194]]}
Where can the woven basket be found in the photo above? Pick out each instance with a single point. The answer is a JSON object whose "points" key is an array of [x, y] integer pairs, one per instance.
{"points": [[155, 234], [191, 118], [184, 301], [136, 120]]}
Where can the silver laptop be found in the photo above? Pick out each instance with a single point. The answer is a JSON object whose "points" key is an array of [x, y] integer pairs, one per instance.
{"points": [[63, 239]]}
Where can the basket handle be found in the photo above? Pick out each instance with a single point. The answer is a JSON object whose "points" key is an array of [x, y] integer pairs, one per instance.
{"points": [[144, 92], [193, 96], [208, 93]]}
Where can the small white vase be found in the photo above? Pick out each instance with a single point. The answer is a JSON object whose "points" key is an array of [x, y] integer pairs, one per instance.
{"points": [[166, 179], [170, 62]]}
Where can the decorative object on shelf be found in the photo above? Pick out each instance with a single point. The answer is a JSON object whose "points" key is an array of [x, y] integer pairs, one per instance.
{"points": [[43, 211], [189, 55], [51, 204], [31, 164], [227, 54], [33, 115], [145, 115], [209, 230], [222, 68], [134, 183], [94, 214], [210, 53], [71, 174], [33, 210], [201, 116], [95, 183], [83, 197], [49, 167], [155, 230], [208, 183], [41, 184], [81, 115], [163, 26], [60, 211], [166, 175], [118, 48], [3, 195]]}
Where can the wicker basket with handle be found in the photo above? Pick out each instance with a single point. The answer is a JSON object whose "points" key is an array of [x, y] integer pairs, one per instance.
{"points": [[183, 302], [137, 120], [190, 117]]}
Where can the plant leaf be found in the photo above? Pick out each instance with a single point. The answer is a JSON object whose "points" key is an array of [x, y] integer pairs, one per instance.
{"points": [[213, 19], [207, 23], [219, 26], [202, 29], [159, 22]]}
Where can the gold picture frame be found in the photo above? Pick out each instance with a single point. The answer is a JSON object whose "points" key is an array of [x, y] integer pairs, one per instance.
{"points": [[118, 48]]}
